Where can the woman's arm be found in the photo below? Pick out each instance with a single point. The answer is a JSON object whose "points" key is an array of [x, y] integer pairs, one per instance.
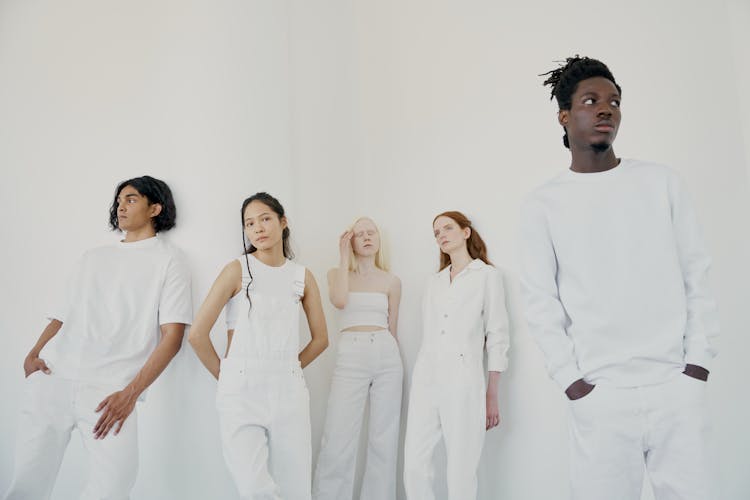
{"points": [[315, 319], [493, 410], [230, 336], [338, 277], [496, 342], [394, 300], [227, 284]]}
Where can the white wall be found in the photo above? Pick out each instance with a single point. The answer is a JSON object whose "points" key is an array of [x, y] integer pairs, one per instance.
{"points": [[396, 109], [92, 93]]}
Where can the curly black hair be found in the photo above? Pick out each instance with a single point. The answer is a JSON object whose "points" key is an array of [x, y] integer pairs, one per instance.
{"points": [[564, 80], [155, 191]]}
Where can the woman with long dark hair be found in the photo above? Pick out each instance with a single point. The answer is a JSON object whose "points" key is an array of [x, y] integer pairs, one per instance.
{"points": [[262, 399], [463, 313]]}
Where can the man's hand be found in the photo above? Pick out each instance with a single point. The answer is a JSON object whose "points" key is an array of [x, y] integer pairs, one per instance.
{"points": [[696, 371], [578, 389], [493, 413], [33, 363], [117, 407]]}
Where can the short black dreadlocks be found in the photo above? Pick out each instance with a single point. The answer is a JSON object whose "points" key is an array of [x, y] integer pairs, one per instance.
{"points": [[564, 80]]}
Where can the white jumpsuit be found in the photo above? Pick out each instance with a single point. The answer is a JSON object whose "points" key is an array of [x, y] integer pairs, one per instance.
{"points": [[447, 397], [366, 363], [262, 399]]}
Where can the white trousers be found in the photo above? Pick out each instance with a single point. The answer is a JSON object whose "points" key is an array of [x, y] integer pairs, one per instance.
{"points": [[51, 409], [264, 418], [366, 363], [615, 431], [447, 401]]}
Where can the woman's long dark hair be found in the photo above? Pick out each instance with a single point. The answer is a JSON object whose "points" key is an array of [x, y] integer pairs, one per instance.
{"points": [[475, 244], [248, 247]]}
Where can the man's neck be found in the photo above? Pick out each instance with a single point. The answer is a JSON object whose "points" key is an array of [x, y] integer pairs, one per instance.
{"points": [[139, 234], [589, 161]]}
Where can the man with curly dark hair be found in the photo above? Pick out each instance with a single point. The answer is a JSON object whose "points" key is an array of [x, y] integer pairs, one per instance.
{"points": [[120, 323], [614, 276]]}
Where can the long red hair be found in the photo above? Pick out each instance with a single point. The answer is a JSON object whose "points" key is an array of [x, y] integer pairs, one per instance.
{"points": [[475, 244]]}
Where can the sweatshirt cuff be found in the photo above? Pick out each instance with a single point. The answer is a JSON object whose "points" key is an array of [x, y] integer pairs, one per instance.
{"points": [[566, 375], [699, 358]]}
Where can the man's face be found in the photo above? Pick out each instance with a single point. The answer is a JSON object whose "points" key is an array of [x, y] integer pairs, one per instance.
{"points": [[133, 210], [594, 115]]}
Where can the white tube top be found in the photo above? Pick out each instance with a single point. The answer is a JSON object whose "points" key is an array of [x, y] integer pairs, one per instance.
{"points": [[365, 309]]}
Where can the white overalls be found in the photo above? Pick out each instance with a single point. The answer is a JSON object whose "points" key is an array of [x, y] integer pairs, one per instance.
{"points": [[262, 399], [447, 397]]}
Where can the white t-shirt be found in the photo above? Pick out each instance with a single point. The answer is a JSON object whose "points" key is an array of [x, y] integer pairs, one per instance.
{"points": [[614, 276], [116, 299]]}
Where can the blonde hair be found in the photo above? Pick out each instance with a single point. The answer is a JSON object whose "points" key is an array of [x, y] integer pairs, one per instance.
{"points": [[381, 260]]}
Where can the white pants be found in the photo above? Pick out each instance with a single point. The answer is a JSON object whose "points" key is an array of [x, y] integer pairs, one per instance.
{"points": [[447, 401], [366, 362], [264, 418], [51, 409], [614, 431]]}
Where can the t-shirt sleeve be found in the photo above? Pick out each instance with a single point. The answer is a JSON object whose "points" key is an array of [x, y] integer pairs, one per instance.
{"points": [[176, 302], [62, 303]]}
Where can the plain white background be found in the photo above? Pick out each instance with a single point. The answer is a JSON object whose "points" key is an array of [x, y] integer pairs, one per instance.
{"points": [[397, 109]]}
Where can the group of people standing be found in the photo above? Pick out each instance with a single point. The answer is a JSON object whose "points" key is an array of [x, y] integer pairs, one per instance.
{"points": [[614, 281]]}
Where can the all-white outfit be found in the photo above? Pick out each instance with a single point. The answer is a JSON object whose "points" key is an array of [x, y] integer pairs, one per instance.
{"points": [[367, 362], [262, 399], [116, 299], [448, 394], [614, 279]]}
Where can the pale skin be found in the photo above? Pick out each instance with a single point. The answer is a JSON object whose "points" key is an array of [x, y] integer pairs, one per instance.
{"points": [[362, 242], [135, 216], [263, 228], [452, 239]]}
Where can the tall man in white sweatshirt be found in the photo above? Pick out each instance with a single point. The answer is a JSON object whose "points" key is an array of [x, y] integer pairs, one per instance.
{"points": [[614, 280], [121, 322]]}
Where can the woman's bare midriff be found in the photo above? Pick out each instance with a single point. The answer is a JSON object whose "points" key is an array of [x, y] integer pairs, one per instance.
{"points": [[363, 328]]}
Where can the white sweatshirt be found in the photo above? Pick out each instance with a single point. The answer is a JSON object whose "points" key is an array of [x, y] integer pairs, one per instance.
{"points": [[614, 276]]}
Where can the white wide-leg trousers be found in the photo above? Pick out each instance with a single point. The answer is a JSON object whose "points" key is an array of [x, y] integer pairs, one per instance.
{"points": [[366, 363]]}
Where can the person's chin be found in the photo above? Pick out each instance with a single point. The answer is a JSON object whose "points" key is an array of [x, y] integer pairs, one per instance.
{"points": [[601, 147]]}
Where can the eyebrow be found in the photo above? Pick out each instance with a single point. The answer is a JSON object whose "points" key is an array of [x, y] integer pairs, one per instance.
{"points": [[259, 215], [595, 93]]}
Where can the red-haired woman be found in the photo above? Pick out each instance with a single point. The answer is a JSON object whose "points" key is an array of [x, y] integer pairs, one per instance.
{"points": [[463, 313]]}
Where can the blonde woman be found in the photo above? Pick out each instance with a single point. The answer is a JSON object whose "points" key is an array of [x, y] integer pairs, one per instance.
{"points": [[368, 363]]}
